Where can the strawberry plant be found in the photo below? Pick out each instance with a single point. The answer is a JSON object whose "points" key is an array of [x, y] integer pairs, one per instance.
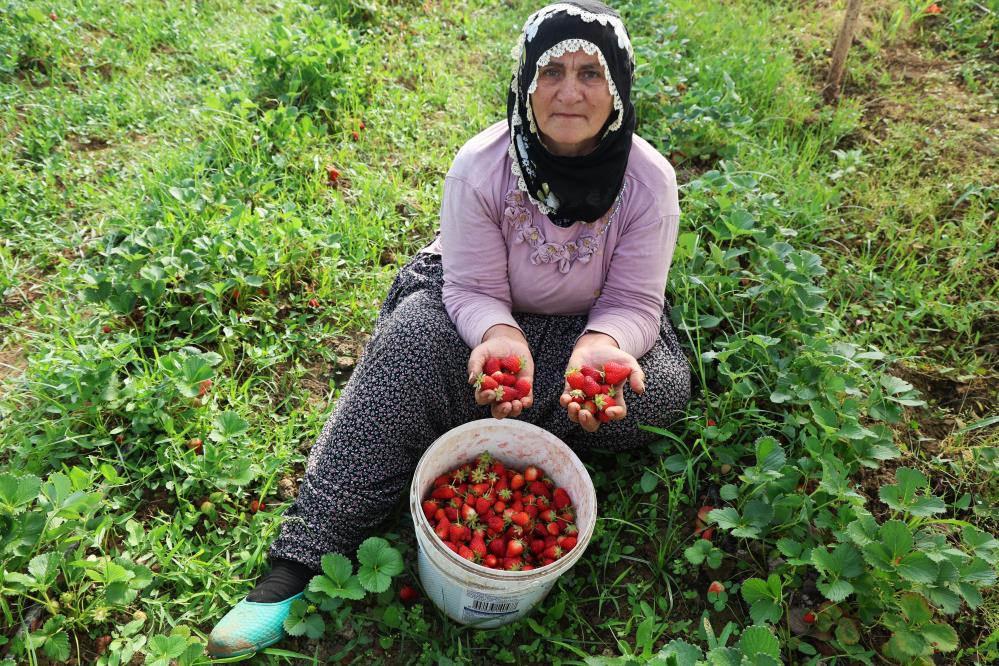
{"points": [[379, 563]]}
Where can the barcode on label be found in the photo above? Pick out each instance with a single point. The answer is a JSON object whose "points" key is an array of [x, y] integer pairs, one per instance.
{"points": [[493, 607]]}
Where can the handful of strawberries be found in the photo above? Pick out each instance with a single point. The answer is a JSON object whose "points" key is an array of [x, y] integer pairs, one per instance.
{"points": [[501, 518], [594, 389], [500, 375]]}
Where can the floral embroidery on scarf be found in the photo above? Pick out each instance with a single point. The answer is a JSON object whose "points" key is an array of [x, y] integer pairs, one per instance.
{"points": [[517, 213]]}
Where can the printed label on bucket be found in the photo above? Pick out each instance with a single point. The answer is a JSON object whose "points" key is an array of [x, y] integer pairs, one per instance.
{"points": [[480, 605]]}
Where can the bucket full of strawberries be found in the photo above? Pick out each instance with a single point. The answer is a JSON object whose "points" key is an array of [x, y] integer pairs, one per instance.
{"points": [[501, 508]]}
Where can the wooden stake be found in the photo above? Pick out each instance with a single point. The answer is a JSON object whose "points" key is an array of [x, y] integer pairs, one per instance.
{"points": [[838, 65]]}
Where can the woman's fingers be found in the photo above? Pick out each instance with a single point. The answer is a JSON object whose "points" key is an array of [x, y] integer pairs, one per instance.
{"points": [[588, 421], [484, 397], [637, 381]]}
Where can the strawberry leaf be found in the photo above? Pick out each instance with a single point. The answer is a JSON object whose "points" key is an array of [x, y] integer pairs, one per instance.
{"points": [[941, 636], [757, 641], [379, 563], [338, 581], [903, 495], [56, 647], [302, 623], [16, 491], [836, 590]]}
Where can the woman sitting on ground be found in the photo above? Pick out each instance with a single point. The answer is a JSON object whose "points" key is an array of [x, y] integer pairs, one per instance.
{"points": [[557, 231]]}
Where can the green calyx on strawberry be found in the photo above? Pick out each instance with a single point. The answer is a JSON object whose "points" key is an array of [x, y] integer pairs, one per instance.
{"points": [[486, 383]]}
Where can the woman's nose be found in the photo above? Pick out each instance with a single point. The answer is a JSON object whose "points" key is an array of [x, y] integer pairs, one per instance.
{"points": [[570, 90]]}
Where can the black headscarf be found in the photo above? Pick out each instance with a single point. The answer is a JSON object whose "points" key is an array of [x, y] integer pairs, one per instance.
{"points": [[569, 189]]}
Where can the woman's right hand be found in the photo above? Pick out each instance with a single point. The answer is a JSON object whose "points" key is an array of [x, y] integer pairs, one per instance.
{"points": [[501, 341]]}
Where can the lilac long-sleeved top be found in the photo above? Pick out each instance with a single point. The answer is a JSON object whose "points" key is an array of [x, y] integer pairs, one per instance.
{"points": [[502, 255]]}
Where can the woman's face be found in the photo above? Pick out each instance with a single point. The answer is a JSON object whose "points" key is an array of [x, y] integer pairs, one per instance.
{"points": [[571, 103]]}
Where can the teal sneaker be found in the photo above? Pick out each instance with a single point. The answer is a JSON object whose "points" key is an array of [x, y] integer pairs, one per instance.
{"points": [[249, 627]]}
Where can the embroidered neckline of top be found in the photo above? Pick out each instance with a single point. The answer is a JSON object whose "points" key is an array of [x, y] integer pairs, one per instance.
{"points": [[565, 254]]}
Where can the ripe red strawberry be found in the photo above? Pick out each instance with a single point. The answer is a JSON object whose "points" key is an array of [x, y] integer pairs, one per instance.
{"points": [[408, 595], [355, 136], [575, 379], [511, 363], [702, 513], [453, 546], [492, 365], [482, 505], [552, 552], [507, 379], [531, 510], [429, 509], [590, 406], [257, 505], [468, 513], [514, 548], [539, 489], [520, 518], [457, 532], [194, 444], [507, 394], [517, 482], [486, 383], [106, 328], [537, 545], [711, 422], [527, 567], [443, 529], [593, 373], [513, 564], [549, 515], [561, 499], [490, 561], [603, 417], [532, 473], [716, 587], [615, 373], [332, 175], [496, 523], [809, 617], [466, 552], [603, 401], [591, 387], [523, 385], [555, 528], [441, 480], [443, 493], [567, 543], [204, 386], [708, 533], [497, 547], [478, 546], [313, 302], [577, 395], [451, 513]]}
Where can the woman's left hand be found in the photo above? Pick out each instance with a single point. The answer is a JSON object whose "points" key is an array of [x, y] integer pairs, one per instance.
{"points": [[594, 350]]}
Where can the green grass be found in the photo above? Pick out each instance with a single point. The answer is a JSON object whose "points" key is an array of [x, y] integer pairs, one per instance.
{"points": [[164, 175]]}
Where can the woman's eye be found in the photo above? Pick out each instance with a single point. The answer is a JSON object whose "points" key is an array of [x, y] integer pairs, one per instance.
{"points": [[591, 74], [549, 72]]}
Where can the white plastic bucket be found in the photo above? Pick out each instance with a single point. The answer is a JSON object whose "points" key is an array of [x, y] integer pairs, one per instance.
{"points": [[470, 593]]}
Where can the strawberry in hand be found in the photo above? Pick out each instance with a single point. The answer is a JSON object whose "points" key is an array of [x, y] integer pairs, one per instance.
{"points": [[590, 401], [503, 355]]}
